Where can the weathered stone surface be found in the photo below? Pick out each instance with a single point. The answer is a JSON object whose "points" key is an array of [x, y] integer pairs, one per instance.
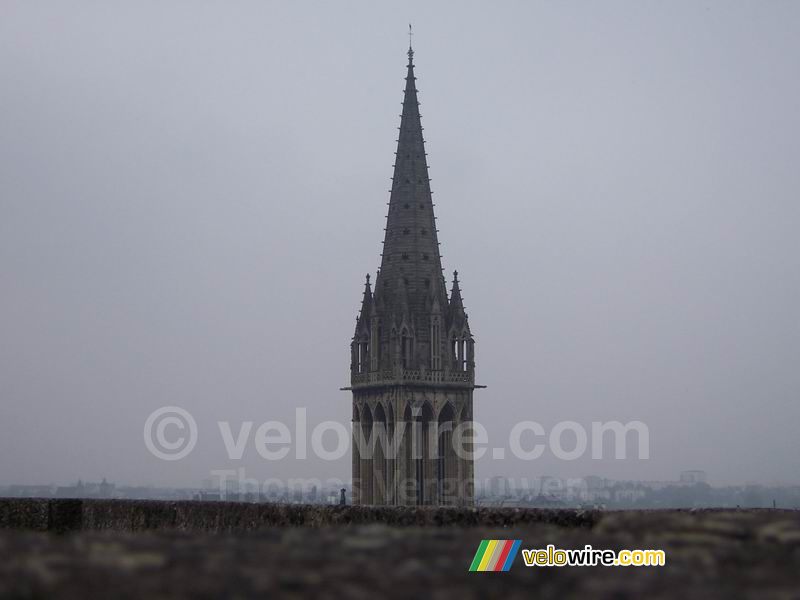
{"points": [[24, 513], [709, 554], [65, 515], [141, 515]]}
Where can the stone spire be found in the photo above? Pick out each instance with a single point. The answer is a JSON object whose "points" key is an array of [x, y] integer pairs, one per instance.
{"points": [[412, 355], [410, 247]]}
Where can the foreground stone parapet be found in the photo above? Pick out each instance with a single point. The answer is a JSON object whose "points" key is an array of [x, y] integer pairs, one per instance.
{"points": [[63, 515], [714, 554]]}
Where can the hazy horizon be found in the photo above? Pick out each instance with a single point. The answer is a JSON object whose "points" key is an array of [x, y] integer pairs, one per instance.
{"points": [[191, 195]]}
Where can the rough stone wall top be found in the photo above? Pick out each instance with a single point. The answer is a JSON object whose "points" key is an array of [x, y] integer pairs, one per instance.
{"points": [[709, 554]]}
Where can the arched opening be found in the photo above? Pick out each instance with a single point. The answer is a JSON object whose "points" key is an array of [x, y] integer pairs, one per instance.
{"points": [[379, 445], [356, 457], [464, 442], [424, 455], [446, 466], [460, 350], [391, 458], [406, 489], [366, 456], [465, 351]]}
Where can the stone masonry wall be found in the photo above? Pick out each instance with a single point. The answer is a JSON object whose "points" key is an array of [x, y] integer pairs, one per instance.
{"points": [[64, 515]]}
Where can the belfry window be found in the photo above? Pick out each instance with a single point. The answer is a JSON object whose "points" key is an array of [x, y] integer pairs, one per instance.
{"points": [[459, 346], [363, 356]]}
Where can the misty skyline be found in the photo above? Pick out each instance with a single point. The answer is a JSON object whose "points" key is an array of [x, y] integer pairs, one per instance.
{"points": [[192, 193]]}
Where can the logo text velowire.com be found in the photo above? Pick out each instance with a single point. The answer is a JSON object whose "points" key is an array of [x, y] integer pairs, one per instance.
{"points": [[589, 557], [498, 555]]}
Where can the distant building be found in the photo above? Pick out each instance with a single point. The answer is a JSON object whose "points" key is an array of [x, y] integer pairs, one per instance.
{"points": [[104, 489], [596, 490], [30, 491], [691, 477], [208, 496], [629, 491], [499, 487]]}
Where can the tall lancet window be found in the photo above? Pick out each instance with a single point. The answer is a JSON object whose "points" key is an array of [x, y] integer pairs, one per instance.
{"points": [[375, 345], [460, 353], [378, 348], [436, 344], [363, 354], [405, 349]]}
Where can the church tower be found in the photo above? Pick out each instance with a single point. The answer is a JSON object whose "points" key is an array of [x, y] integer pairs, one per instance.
{"points": [[412, 370]]}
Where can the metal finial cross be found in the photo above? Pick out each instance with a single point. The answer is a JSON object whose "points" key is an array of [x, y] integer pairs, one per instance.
{"points": [[410, 33]]}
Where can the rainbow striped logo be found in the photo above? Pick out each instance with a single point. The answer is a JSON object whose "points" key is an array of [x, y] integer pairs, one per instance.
{"points": [[495, 555]]}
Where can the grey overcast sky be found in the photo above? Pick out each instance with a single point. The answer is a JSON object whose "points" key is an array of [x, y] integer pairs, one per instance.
{"points": [[192, 192]]}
